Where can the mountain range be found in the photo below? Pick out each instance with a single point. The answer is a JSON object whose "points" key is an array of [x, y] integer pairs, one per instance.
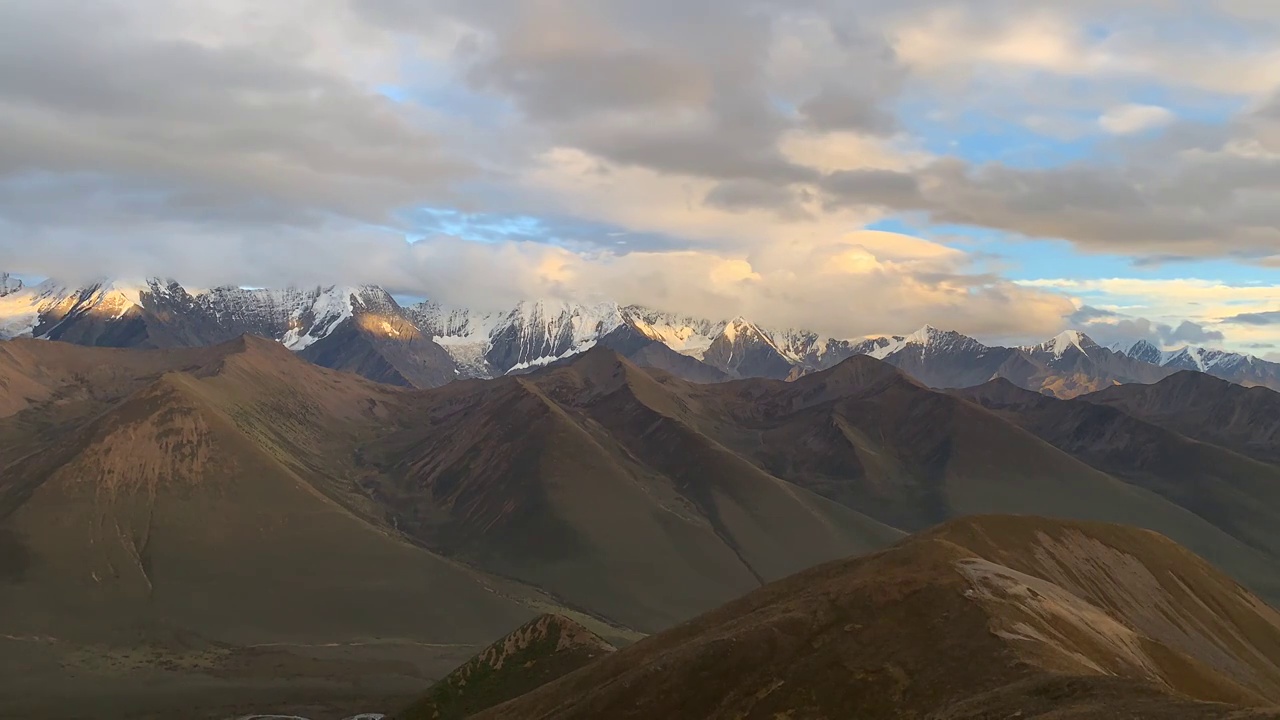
{"points": [[219, 510], [363, 329]]}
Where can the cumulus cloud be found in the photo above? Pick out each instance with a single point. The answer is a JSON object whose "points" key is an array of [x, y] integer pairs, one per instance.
{"points": [[867, 283], [1118, 329]]}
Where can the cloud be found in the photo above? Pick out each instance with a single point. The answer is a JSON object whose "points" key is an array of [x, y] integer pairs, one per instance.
{"points": [[861, 284], [1123, 330], [1184, 202], [1189, 332], [705, 89], [738, 145], [737, 195], [109, 121], [1087, 314], [864, 284], [889, 188], [1133, 118], [1169, 312], [1259, 318]]}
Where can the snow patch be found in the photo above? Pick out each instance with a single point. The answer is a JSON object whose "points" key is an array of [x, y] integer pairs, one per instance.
{"points": [[547, 360]]}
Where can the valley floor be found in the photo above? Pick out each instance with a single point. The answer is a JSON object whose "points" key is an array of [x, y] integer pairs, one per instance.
{"points": [[40, 678]]}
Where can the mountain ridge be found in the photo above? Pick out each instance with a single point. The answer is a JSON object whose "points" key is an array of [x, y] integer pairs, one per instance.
{"points": [[364, 329], [625, 497]]}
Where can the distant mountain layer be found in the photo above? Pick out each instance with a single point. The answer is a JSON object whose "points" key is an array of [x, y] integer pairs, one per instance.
{"points": [[985, 617], [363, 329]]}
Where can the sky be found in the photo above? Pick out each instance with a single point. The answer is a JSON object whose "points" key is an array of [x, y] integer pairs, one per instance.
{"points": [[1005, 168]]}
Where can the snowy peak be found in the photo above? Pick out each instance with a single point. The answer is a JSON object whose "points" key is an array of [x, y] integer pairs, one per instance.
{"points": [[295, 317], [741, 329], [532, 334], [686, 335], [1206, 359], [928, 340], [924, 336], [1065, 342], [1192, 357], [1146, 352]]}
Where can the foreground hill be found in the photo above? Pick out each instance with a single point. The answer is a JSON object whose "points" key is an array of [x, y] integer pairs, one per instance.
{"points": [[533, 655], [980, 618]]}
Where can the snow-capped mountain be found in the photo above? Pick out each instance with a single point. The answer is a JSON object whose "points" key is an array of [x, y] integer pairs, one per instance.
{"points": [[1239, 368], [941, 358], [537, 333], [1076, 364], [363, 329], [352, 328], [158, 313], [1141, 350], [530, 335], [1064, 344]]}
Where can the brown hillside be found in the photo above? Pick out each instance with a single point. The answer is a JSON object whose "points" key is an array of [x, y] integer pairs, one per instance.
{"points": [[1239, 494], [1205, 408], [587, 480], [197, 514], [872, 439], [164, 499], [981, 618]]}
